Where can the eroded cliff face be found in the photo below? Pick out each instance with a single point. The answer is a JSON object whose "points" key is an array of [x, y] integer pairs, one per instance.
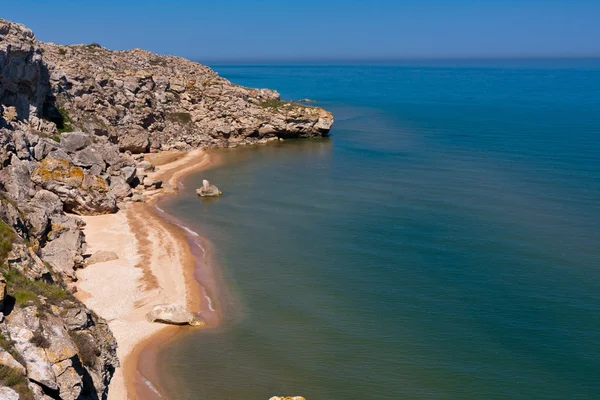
{"points": [[72, 119]]}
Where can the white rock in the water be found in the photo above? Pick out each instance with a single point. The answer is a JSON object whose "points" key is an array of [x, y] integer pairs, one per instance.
{"points": [[173, 314], [208, 190]]}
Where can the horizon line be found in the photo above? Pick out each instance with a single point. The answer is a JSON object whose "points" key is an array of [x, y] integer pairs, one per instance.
{"points": [[386, 60]]}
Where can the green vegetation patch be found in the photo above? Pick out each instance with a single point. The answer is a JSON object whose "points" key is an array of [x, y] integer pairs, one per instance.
{"points": [[275, 104], [7, 237], [14, 380], [27, 291], [64, 123], [180, 118]]}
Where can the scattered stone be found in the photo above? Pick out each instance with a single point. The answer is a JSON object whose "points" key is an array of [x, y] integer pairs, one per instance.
{"points": [[145, 166], [150, 183], [173, 314], [208, 190]]}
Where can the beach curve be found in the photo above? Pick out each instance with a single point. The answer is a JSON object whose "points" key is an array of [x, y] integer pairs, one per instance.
{"points": [[156, 265]]}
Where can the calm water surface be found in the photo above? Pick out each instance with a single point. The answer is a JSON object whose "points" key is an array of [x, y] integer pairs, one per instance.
{"points": [[442, 244]]}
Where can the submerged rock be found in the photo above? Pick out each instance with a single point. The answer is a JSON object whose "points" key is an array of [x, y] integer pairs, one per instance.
{"points": [[173, 314], [208, 190]]}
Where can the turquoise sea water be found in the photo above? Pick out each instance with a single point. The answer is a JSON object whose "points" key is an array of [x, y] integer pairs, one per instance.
{"points": [[442, 244]]}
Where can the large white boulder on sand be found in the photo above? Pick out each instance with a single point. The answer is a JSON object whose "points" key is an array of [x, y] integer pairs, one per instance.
{"points": [[173, 314]]}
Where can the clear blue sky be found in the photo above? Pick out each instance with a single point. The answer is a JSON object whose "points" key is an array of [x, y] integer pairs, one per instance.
{"points": [[325, 29]]}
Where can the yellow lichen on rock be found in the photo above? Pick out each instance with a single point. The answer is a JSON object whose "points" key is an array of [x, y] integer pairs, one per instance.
{"points": [[59, 169]]}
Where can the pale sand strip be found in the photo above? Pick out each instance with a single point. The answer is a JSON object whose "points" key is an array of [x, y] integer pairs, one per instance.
{"points": [[155, 266]]}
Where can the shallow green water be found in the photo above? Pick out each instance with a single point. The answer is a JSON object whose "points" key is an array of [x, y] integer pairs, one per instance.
{"points": [[442, 244]]}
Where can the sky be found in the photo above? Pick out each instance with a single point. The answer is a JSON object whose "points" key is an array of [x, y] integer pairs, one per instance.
{"points": [[320, 30]]}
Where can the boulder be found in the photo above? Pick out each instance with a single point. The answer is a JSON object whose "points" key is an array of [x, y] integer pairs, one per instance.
{"points": [[150, 183], [88, 158], [135, 140], [74, 141], [102, 256], [208, 190], [121, 190], [173, 314], [145, 165]]}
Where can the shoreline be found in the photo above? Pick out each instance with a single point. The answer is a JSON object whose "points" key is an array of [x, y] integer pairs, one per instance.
{"points": [[159, 262]]}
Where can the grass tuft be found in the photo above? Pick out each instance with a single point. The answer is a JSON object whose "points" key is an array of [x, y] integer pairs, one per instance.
{"points": [[7, 237], [14, 380], [180, 118], [26, 291], [88, 352]]}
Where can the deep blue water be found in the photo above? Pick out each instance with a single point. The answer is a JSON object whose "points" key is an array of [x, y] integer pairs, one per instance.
{"points": [[442, 244]]}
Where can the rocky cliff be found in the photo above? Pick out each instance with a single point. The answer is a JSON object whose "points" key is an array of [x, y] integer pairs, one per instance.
{"points": [[72, 120]]}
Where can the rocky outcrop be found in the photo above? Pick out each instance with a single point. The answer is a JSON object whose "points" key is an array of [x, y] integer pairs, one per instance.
{"points": [[24, 78], [62, 359], [147, 102], [173, 314], [208, 190]]}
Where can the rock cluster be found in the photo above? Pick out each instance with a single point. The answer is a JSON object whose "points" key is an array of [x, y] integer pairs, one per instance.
{"points": [[64, 351]]}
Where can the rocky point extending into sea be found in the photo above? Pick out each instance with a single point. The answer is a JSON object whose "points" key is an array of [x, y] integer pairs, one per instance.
{"points": [[75, 123]]}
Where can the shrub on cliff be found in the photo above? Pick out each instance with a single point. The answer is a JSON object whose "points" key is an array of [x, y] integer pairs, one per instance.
{"points": [[7, 237]]}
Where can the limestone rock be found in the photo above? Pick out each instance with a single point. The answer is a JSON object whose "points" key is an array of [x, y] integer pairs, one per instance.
{"points": [[208, 190], [74, 141], [102, 256], [65, 245], [7, 393], [24, 82], [23, 259], [8, 360], [135, 140], [173, 314], [81, 192]]}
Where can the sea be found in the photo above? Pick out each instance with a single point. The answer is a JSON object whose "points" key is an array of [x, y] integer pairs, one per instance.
{"points": [[442, 243]]}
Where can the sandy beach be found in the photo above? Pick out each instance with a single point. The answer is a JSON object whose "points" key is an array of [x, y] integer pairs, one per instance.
{"points": [[156, 265]]}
